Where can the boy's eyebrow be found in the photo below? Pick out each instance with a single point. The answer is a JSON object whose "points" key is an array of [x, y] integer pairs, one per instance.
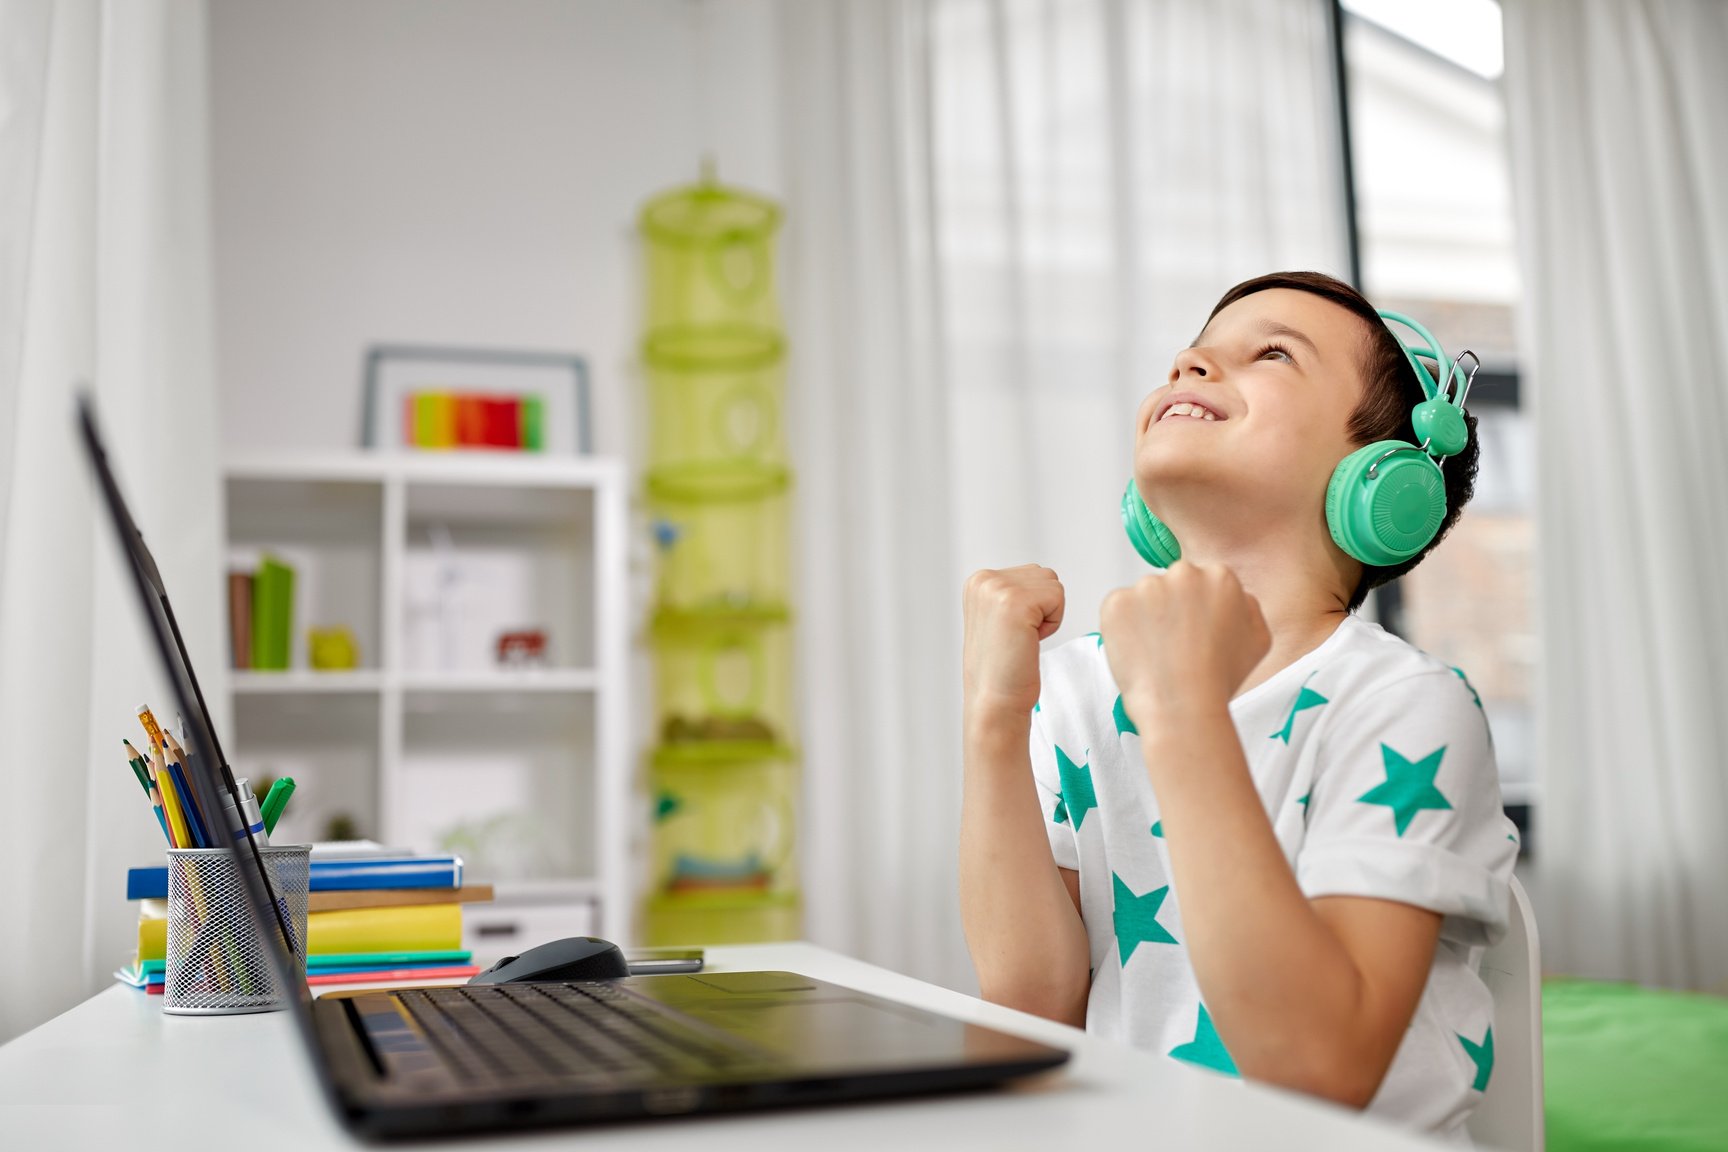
{"points": [[1273, 328]]}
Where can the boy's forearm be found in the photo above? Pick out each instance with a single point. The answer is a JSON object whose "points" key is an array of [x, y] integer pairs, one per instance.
{"points": [[1278, 983], [1026, 938]]}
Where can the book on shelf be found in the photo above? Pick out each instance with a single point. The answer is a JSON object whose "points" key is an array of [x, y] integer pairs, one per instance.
{"points": [[240, 618], [272, 615]]}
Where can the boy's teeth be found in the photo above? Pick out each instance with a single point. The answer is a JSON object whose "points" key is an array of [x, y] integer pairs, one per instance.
{"points": [[1186, 409]]}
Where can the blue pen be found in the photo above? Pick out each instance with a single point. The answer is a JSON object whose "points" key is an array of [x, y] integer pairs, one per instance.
{"points": [[200, 836]]}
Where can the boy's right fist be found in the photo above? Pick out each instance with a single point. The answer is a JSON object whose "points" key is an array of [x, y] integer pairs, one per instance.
{"points": [[1008, 611]]}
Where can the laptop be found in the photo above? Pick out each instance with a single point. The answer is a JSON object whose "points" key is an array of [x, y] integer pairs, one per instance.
{"points": [[425, 1061]]}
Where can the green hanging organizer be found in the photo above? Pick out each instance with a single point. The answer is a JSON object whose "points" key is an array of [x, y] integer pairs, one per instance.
{"points": [[721, 783]]}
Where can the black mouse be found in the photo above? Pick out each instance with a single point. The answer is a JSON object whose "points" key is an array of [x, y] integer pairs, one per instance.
{"points": [[574, 958]]}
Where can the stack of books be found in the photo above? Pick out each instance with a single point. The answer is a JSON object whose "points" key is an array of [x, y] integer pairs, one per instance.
{"points": [[374, 915]]}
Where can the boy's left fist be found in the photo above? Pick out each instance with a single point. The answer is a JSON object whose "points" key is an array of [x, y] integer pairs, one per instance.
{"points": [[1182, 641]]}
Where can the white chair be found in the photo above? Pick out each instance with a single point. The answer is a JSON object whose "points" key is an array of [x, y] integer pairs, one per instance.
{"points": [[1510, 1115]]}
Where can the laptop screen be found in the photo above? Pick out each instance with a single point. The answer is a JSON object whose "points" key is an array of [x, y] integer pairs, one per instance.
{"points": [[207, 772]]}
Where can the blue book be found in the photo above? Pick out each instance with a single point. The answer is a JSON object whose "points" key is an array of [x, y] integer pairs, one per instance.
{"points": [[332, 875]]}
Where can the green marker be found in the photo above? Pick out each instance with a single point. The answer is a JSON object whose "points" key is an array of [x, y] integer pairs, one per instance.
{"points": [[276, 801]]}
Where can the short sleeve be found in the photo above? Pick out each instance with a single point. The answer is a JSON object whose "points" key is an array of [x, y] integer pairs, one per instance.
{"points": [[1406, 806], [1047, 773]]}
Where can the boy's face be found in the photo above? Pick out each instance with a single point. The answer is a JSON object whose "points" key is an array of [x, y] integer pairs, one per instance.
{"points": [[1279, 372]]}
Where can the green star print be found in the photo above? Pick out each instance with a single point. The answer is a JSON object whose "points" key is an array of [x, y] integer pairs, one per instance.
{"points": [[1206, 1049], [1409, 786], [1481, 1055], [1305, 699], [1078, 796], [1120, 715], [1136, 918]]}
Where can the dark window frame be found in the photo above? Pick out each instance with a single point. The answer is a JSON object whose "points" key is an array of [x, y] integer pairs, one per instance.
{"points": [[1493, 388]]}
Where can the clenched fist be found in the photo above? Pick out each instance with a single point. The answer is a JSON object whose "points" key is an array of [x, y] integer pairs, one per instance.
{"points": [[1182, 640], [1008, 611]]}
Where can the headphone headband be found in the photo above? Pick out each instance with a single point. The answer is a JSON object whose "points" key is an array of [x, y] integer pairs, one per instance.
{"points": [[1439, 419]]}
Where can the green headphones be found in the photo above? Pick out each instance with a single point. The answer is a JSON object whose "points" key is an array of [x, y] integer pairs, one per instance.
{"points": [[1385, 501]]}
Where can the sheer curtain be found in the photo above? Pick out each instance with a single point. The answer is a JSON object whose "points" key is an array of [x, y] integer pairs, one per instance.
{"points": [[1005, 219], [1615, 111], [104, 283]]}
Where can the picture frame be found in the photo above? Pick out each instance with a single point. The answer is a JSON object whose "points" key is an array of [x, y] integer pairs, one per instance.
{"points": [[399, 375]]}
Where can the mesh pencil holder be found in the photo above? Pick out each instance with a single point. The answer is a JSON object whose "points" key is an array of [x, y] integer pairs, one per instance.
{"points": [[217, 965]]}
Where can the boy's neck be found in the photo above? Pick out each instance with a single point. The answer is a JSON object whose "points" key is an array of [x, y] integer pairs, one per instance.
{"points": [[1303, 590]]}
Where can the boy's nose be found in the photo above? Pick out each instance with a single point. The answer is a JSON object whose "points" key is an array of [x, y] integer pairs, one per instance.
{"points": [[1190, 361]]}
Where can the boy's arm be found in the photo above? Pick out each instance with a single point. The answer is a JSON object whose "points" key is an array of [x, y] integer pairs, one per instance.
{"points": [[1020, 917], [1312, 995]]}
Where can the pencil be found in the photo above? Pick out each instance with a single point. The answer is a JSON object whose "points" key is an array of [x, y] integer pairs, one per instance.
{"points": [[141, 769], [202, 825], [179, 833]]}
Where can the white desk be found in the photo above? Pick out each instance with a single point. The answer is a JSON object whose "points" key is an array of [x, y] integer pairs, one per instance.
{"points": [[98, 1076]]}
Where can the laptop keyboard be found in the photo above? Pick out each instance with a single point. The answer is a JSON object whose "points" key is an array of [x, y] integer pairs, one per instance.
{"points": [[566, 1032]]}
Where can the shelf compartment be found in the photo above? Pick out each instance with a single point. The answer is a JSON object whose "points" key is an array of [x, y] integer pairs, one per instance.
{"points": [[328, 743], [504, 779], [482, 562], [330, 532]]}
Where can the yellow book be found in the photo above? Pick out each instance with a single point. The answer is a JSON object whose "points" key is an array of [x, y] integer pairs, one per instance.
{"points": [[434, 420], [152, 930], [412, 928]]}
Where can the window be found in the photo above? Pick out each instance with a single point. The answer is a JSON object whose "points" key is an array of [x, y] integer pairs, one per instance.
{"points": [[1435, 235]]}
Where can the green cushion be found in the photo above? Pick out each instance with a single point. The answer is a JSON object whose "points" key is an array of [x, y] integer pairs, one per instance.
{"points": [[1634, 1068]]}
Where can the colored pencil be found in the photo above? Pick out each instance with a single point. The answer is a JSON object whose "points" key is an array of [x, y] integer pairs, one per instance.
{"points": [[141, 769], [179, 833], [202, 825]]}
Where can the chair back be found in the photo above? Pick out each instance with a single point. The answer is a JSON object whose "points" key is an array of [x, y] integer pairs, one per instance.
{"points": [[1510, 1114]]}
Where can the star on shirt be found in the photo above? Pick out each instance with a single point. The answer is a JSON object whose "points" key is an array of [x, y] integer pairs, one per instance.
{"points": [[1136, 918], [1305, 699], [1078, 796], [1206, 1049], [1123, 724], [1409, 786], [1158, 829], [1481, 1055], [1474, 695]]}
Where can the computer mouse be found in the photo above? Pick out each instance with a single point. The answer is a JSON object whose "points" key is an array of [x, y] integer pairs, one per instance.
{"points": [[574, 958]]}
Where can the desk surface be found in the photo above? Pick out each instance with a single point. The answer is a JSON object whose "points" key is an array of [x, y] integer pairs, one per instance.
{"points": [[96, 1077]]}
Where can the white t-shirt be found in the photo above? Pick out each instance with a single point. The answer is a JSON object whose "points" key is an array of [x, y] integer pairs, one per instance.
{"points": [[1375, 765]]}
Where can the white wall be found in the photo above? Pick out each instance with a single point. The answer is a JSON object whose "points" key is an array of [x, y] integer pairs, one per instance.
{"points": [[456, 172]]}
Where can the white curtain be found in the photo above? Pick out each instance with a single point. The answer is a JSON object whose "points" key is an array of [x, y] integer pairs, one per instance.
{"points": [[1619, 165], [104, 284], [1005, 218]]}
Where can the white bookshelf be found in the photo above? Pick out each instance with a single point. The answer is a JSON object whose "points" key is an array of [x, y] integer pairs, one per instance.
{"points": [[429, 743]]}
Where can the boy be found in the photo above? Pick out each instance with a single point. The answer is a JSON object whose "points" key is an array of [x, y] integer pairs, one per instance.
{"points": [[1239, 825]]}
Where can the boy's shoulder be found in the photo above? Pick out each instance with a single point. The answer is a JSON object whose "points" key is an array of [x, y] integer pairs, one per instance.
{"points": [[1370, 662]]}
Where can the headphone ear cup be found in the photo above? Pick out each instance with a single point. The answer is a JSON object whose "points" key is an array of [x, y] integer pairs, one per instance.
{"points": [[1155, 542], [1384, 519]]}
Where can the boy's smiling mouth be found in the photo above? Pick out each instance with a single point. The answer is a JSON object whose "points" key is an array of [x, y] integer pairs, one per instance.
{"points": [[1185, 406]]}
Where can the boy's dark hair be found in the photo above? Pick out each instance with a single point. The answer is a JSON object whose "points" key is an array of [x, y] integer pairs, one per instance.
{"points": [[1391, 390]]}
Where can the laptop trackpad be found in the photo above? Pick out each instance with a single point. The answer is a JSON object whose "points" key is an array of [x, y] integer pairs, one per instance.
{"points": [[847, 1033]]}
